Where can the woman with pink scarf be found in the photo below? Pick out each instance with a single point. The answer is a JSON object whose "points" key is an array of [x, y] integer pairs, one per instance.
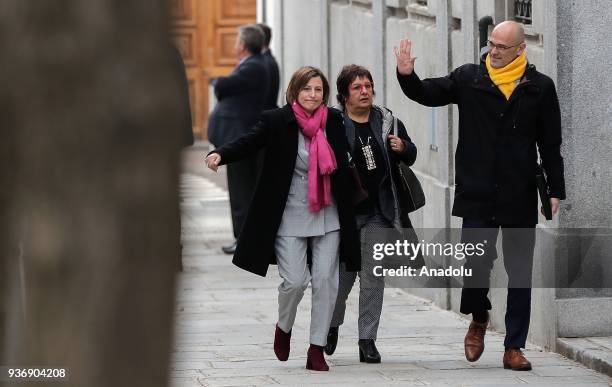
{"points": [[303, 201]]}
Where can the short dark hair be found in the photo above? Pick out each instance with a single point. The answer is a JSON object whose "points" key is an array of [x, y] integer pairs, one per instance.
{"points": [[300, 78], [347, 75], [252, 36], [267, 33]]}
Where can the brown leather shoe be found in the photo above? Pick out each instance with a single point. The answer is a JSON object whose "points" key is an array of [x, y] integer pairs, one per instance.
{"points": [[473, 344], [515, 360]]}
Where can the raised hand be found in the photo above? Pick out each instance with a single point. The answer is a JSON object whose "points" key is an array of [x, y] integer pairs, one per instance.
{"points": [[213, 160], [405, 62]]}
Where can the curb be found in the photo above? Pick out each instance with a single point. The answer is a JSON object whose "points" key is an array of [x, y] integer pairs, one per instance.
{"points": [[587, 352]]}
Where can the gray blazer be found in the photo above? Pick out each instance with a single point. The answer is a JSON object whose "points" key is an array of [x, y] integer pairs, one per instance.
{"points": [[297, 220]]}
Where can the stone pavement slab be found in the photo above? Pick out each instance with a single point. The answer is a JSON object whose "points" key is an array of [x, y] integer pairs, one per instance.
{"points": [[225, 317]]}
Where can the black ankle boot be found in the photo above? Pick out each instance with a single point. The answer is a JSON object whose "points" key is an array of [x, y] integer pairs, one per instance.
{"points": [[368, 352], [332, 340]]}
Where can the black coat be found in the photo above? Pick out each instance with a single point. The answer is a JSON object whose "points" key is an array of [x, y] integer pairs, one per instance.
{"points": [[381, 122], [274, 79], [495, 160], [277, 132], [241, 97]]}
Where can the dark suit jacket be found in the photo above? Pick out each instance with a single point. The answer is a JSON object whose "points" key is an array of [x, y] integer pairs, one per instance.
{"points": [[277, 132], [274, 79], [241, 97]]}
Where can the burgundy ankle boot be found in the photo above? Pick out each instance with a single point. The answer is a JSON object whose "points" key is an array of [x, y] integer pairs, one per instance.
{"points": [[281, 344], [316, 361]]}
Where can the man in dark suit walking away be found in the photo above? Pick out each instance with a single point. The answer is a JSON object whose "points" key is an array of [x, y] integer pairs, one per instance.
{"points": [[272, 66], [241, 97]]}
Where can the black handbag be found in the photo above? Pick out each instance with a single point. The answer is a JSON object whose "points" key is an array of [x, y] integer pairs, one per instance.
{"points": [[410, 192], [543, 190]]}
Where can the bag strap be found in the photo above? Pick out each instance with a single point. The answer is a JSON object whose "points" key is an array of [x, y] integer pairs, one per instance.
{"points": [[394, 126], [399, 168], [540, 158], [350, 159], [540, 165]]}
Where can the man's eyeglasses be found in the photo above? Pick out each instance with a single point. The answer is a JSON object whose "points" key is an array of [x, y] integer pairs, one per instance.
{"points": [[500, 47]]}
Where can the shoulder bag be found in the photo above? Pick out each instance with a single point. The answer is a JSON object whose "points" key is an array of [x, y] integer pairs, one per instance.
{"points": [[410, 192]]}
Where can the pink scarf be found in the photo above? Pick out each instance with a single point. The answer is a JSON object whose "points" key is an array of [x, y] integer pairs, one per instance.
{"points": [[321, 159]]}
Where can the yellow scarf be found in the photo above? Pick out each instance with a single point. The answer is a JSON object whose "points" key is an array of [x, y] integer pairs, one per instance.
{"points": [[506, 78]]}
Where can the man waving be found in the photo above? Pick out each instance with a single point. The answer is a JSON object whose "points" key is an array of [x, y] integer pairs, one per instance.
{"points": [[508, 112]]}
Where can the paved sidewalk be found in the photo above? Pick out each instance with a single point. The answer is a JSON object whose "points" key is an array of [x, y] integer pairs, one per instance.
{"points": [[225, 325]]}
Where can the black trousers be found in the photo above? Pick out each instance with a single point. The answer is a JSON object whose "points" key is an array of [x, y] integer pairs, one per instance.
{"points": [[518, 242], [241, 181]]}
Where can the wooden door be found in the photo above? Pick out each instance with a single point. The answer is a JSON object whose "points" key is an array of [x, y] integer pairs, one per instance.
{"points": [[205, 32]]}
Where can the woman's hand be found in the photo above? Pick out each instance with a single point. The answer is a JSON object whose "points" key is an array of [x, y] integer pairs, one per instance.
{"points": [[397, 144], [213, 160]]}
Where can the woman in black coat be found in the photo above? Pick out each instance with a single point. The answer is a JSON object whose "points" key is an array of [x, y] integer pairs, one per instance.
{"points": [[297, 205], [378, 143]]}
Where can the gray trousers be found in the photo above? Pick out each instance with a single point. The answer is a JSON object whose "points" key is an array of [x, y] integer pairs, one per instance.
{"points": [[371, 288], [293, 269]]}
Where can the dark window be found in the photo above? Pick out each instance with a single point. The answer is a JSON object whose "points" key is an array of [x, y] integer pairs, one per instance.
{"points": [[522, 11]]}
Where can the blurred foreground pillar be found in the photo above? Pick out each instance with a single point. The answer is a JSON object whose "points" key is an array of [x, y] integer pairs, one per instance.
{"points": [[89, 231]]}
